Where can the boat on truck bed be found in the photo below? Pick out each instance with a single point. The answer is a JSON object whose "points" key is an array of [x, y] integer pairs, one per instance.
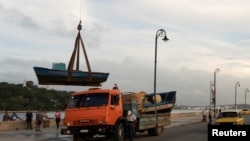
{"points": [[101, 113]]}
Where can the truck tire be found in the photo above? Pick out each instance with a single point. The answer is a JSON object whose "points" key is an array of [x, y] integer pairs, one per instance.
{"points": [[159, 130], [120, 133], [150, 132], [155, 131], [78, 137]]}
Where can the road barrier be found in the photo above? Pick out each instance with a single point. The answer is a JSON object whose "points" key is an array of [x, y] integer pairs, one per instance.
{"points": [[21, 124]]}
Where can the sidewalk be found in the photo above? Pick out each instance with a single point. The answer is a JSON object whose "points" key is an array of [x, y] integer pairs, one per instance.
{"points": [[51, 133]]}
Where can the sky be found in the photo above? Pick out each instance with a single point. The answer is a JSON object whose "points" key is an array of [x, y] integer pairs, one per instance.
{"points": [[119, 37]]}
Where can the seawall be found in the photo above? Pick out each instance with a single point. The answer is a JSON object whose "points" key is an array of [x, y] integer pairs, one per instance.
{"points": [[21, 124], [175, 115]]}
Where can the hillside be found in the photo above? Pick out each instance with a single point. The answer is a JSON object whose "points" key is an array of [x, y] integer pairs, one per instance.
{"points": [[16, 97]]}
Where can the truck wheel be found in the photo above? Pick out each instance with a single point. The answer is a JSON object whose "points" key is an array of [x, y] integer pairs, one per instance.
{"points": [[159, 130], [78, 138], [150, 132], [155, 131], [120, 133]]}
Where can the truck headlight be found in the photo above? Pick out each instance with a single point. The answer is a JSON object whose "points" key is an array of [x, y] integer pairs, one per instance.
{"points": [[68, 124], [101, 121]]}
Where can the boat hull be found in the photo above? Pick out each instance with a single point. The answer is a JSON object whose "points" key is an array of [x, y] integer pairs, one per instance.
{"points": [[145, 102], [165, 105], [47, 76]]}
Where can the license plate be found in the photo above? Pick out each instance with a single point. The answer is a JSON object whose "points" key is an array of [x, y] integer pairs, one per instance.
{"points": [[84, 131]]}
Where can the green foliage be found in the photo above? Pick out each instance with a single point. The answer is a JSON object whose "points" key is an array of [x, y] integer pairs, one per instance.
{"points": [[16, 97]]}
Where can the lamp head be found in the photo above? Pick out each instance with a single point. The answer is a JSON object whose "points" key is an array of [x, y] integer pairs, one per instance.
{"points": [[217, 70], [165, 38]]}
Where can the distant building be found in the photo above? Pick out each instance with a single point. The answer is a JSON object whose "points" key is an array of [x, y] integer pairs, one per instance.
{"points": [[29, 83], [24, 83], [48, 88], [59, 66]]}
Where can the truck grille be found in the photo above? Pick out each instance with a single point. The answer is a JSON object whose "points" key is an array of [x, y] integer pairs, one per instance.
{"points": [[85, 122]]}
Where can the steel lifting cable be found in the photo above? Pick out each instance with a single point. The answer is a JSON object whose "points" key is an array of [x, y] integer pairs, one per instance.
{"points": [[81, 11]]}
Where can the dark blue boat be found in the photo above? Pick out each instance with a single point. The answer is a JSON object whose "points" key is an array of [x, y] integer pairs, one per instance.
{"points": [[166, 104], [162, 102], [63, 77]]}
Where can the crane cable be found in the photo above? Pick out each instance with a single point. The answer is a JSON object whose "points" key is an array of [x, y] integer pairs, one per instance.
{"points": [[81, 11]]}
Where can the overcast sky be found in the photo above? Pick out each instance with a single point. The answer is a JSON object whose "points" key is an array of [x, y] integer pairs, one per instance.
{"points": [[119, 36]]}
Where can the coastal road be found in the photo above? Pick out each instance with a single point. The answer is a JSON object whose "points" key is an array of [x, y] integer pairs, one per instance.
{"points": [[52, 134], [192, 132], [195, 131]]}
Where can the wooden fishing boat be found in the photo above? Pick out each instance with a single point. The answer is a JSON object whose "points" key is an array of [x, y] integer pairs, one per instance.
{"points": [[150, 103], [161, 102], [64, 77], [72, 76]]}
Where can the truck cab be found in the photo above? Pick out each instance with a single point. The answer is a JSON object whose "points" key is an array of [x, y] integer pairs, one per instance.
{"points": [[95, 113], [101, 113]]}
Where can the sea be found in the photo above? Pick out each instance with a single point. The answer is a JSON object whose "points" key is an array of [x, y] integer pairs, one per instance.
{"points": [[51, 114], [21, 114]]}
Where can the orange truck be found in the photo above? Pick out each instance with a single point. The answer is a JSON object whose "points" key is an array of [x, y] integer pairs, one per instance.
{"points": [[101, 114]]}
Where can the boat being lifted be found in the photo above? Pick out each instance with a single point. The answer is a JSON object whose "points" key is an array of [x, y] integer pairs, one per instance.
{"points": [[72, 76], [60, 77]]}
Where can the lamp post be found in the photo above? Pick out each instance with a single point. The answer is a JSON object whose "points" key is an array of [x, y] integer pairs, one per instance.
{"points": [[247, 90], [214, 100], [159, 33], [211, 91], [237, 84], [211, 99]]}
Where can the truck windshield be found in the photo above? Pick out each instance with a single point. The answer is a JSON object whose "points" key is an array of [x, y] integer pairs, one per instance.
{"points": [[88, 100]]}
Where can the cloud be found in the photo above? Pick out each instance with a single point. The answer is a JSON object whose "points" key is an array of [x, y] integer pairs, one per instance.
{"points": [[119, 37], [14, 18]]}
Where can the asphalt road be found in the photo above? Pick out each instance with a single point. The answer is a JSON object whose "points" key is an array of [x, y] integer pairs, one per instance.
{"points": [[183, 128], [52, 134]]}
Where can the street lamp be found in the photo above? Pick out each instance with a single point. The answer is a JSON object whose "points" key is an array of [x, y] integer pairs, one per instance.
{"points": [[237, 84], [159, 33], [246, 97], [214, 100]]}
